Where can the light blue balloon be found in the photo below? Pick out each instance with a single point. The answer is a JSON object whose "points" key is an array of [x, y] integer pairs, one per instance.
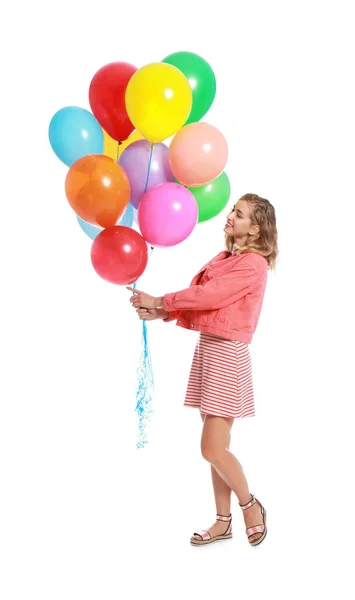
{"points": [[75, 132], [92, 231], [127, 219]]}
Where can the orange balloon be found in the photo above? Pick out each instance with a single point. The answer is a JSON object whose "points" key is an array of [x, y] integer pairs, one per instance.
{"points": [[97, 189]]}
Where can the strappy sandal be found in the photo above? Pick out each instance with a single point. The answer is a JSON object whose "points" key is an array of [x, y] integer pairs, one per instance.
{"points": [[206, 536], [257, 528]]}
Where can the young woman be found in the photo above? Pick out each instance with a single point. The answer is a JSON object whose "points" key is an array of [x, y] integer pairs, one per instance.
{"points": [[223, 303]]}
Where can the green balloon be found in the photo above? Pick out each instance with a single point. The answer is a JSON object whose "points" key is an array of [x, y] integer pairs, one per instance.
{"points": [[201, 78], [212, 198]]}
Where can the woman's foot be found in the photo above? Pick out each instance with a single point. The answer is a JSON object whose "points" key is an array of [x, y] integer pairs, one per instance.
{"points": [[221, 529], [253, 517], [218, 528]]}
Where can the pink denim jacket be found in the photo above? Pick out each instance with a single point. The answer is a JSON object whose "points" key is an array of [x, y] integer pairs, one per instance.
{"points": [[224, 298]]}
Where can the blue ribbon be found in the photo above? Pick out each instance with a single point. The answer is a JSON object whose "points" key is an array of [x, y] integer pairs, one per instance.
{"points": [[145, 384], [145, 389]]}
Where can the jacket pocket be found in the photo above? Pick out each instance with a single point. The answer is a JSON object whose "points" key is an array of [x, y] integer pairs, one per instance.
{"points": [[223, 315]]}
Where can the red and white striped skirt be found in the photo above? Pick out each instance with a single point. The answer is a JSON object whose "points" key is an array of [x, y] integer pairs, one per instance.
{"points": [[220, 381]]}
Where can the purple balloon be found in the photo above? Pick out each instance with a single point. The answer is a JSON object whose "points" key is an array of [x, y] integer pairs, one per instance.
{"points": [[167, 215], [135, 162]]}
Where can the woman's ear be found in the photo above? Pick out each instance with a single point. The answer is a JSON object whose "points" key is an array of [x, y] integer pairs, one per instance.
{"points": [[254, 229]]}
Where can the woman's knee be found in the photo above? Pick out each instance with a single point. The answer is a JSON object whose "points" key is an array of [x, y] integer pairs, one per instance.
{"points": [[211, 451], [215, 438]]}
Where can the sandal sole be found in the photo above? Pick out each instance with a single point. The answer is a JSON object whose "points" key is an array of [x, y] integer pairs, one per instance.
{"points": [[216, 539]]}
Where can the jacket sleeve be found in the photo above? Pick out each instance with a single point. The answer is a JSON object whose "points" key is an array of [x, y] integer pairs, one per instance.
{"points": [[216, 293], [173, 315]]}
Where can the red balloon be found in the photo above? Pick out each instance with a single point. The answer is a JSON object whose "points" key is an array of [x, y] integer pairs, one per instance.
{"points": [[119, 255], [107, 98]]}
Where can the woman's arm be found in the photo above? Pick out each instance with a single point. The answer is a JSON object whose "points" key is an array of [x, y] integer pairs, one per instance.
{"points": [[216, 293]]}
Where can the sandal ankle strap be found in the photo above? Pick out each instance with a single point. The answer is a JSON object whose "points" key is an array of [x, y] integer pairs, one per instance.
{"points": [[224, 518], [249, 504]]}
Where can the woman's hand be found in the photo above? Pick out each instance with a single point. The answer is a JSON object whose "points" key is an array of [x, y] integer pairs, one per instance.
{"points": [[143, 300], [151, 314]]}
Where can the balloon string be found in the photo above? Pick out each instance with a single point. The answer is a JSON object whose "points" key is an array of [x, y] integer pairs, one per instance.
{"points": [[144, 394], [145, 388], [147, 181], [149, 167], [118, 151]]}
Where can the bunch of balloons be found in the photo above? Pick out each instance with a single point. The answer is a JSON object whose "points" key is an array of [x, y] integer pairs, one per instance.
{"points": [[119, 164]]}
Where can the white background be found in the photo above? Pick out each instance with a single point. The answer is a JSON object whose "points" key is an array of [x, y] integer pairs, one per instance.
{"points": [[84, 514]]}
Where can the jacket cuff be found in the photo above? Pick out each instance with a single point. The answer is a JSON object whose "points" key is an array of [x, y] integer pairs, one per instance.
{"points": [[173, 316], [168, 302]]}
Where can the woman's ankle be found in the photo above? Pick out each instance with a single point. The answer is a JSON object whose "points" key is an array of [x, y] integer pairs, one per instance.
{"points": [[245, 499], [226, 512]]}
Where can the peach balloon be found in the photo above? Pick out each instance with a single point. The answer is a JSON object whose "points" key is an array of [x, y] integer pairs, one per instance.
{"points": [[198, 154]]}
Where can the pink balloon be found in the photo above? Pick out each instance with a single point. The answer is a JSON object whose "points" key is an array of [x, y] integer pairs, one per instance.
{"points": [[198, 154], [167, 215]]}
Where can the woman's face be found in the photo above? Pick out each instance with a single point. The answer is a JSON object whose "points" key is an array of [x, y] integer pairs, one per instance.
{"points": [[239, 223]]}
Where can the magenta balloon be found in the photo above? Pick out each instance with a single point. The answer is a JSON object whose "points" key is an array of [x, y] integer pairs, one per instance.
{"points": [[167, 215], [135, 162]]}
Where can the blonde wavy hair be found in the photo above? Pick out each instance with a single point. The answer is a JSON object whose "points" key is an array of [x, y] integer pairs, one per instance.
{"points": [[262, 213]]}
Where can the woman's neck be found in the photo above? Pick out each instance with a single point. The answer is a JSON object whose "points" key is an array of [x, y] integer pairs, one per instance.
{"points": [[235, 248]]}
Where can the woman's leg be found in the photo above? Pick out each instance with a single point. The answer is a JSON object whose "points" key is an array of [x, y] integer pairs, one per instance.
{"points": [[214, 447], [222, 494], [222, 491]]}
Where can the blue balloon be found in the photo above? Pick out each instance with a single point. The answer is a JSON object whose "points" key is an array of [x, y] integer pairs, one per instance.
{"points": [[127, 219], [75, 132], [92, 231], [89, 229]]}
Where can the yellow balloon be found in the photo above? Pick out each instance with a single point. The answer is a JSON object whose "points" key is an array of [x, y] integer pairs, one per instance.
{"points": [[110, 145], [158, 101]]}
